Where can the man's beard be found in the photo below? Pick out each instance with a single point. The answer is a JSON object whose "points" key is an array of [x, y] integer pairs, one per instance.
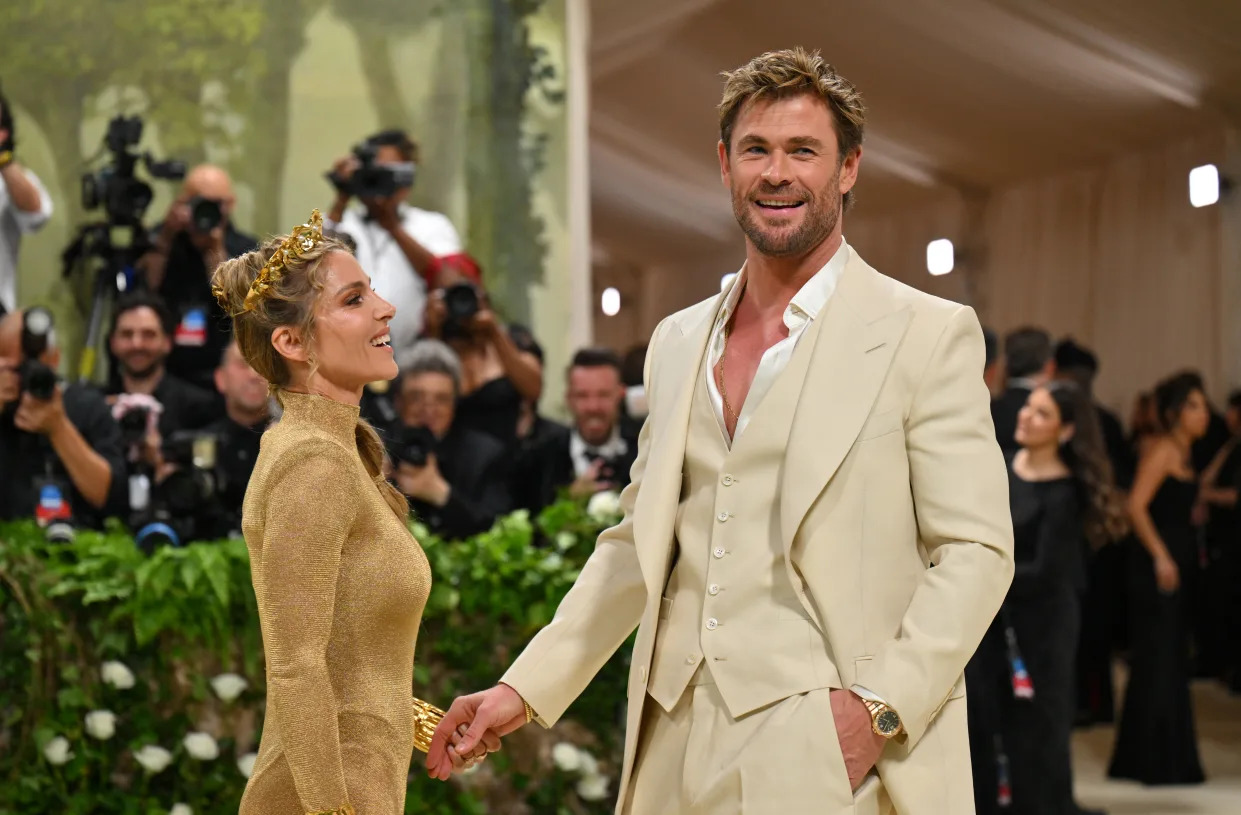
{"points": [[822, 215], [143, 373]]}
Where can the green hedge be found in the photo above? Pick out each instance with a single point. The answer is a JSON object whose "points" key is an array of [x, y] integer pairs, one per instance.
{"points": [[183, 625]]}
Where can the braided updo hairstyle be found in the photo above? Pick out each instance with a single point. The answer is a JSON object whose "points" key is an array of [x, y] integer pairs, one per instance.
{"points": [[291, 300]]}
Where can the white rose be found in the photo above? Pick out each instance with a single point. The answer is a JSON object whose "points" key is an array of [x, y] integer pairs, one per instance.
{"points": [[246, 764], [153, 758], [57, 751], [180, 809], [117, 675], [604, 506], [586, 763], [229, 686], [553, 562], [565, 541], [101, 724], [566, 757], [201, 746], [593, 788]]}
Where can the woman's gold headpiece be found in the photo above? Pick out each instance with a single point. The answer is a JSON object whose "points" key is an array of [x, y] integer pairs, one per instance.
{"points": [[301, 241]]}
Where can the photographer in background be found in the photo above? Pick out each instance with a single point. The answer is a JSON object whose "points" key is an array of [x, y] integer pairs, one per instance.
{"points": [[593, 455], [60, 450], [397, 244], [196, 236], [456, 478], [497, 376], [141, 341], [25, 207], [238, 433]]}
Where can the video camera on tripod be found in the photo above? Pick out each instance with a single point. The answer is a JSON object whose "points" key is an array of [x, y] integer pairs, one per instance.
{"points": [[111, 248]]}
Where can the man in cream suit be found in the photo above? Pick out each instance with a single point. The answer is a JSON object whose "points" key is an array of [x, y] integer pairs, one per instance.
{"points": [[817, 532]]}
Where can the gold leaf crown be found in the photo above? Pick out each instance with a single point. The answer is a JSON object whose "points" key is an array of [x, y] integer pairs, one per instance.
{"points": [[300, 242]]}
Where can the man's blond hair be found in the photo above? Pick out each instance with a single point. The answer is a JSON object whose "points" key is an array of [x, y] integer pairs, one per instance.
{"points": [[792, 72]]}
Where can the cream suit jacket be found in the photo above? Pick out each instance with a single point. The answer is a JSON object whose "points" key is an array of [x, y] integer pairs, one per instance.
{"points": [[894, 519]]}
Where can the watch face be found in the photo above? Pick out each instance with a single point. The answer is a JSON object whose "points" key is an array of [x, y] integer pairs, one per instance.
{"points": [[888, 722]]}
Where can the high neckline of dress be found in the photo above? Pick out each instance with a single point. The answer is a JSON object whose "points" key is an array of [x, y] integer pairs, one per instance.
{"points": [[337, 418]]}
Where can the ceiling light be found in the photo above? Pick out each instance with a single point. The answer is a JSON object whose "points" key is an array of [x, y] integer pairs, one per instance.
{"points": [[1204, 185], [610, 302], [939, 256]]}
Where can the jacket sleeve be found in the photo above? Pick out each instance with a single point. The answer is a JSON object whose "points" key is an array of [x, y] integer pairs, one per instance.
{"points": [[960, 492], [597, 615], [306, 523]]}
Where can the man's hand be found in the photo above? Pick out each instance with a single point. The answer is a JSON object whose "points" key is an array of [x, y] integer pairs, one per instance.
{"points": [[859, 742], [385, 212], [436, 314], [588, 483], [424, 483], [39, 416], [177, 219], [499, 710]]}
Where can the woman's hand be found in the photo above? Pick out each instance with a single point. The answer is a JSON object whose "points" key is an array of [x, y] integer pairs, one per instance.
{"points": [[1167, 575], [436, 314]]}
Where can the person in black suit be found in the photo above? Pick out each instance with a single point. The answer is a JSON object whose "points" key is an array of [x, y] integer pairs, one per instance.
{"points": [[1028, 364], [595, 453], [993, 370], [456, 478]]}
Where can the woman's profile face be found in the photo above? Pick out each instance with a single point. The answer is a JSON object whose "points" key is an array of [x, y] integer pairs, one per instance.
{"points": [[1195, 415], [1039, 423], [351, 344]]}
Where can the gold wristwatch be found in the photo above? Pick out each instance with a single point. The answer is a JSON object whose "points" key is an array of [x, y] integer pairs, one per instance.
{"points": [[883, 719]]}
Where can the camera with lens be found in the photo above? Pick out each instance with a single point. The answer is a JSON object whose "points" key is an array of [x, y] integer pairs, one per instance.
{"points": [[37, 379], [184, 506], [205, 214], [123, 196], [372, 179], [461, 304], [412, 445]]}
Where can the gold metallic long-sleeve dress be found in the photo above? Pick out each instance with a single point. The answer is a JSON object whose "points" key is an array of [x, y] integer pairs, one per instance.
{"points": [[341, 586]]}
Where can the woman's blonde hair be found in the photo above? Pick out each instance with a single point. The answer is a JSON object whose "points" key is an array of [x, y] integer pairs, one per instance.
{"points": [[290, 300]]}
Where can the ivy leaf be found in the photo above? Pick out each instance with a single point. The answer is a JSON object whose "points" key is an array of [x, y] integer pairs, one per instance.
{"points": [[215, 568], [191, 570], [71, 698]]}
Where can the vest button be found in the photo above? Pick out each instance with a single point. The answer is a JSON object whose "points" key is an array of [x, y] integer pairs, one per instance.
{"points": [[713, 624], [727, 480], [691, 659], [714, 590], [719, 552], [722, 517]]}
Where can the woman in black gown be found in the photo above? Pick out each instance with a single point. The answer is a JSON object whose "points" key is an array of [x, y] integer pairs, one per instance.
{"points": [[1155, 742], [1063, 500]]}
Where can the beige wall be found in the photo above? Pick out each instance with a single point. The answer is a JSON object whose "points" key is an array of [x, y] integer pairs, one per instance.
{"points": [[1113, 255]]}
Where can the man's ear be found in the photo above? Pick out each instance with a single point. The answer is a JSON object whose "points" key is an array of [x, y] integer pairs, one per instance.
{"points": [[288, 344]]}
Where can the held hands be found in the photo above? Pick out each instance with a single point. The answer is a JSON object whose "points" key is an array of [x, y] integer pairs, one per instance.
{"points": [[493, 713], [859, 743]]}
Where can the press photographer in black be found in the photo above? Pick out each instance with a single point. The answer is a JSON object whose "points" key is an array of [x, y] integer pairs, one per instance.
{"points": [[196, 235], [60, 450], [456, 478], [140, 342], [497, 376], [238, 433], [593, 455]]}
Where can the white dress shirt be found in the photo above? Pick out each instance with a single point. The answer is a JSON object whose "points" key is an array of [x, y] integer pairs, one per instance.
{"points": [[584, 455], [805, 306], [13, 224], [392, 275]]}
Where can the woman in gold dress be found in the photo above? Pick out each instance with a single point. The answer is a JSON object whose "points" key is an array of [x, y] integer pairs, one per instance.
{"points": [[340, 581]]}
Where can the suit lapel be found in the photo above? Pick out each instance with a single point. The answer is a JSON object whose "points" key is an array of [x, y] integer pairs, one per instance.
{"points": [[852, 353], [680, 360]]}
